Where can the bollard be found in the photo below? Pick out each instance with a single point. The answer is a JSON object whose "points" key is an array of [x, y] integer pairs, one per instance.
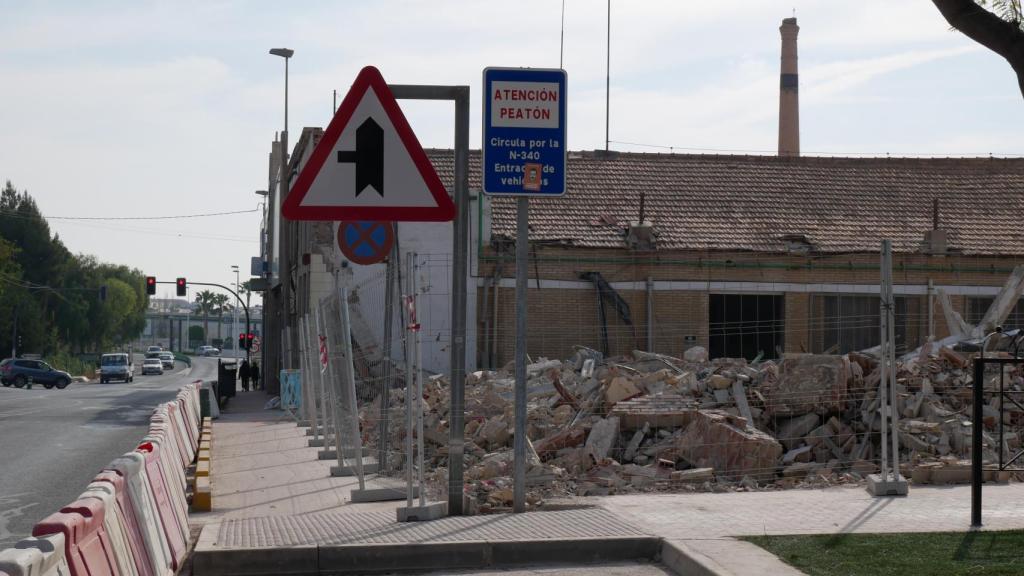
{"points": [[28, 384]]}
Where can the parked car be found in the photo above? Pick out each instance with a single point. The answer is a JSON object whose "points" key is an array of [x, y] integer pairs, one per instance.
{"points": [[208, 351], [116, 366], [17, 371], [167, 358], [152, 366]]}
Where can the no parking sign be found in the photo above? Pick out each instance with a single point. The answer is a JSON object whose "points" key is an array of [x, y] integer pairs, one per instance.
{"points": [[366, 242]]}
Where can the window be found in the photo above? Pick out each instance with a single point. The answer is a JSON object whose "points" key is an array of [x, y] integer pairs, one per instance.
{"points": [[850, 323], [745, 325], [978, 305]]}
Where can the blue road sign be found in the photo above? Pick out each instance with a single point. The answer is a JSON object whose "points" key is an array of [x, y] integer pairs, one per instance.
{"points": [[524, 147]]}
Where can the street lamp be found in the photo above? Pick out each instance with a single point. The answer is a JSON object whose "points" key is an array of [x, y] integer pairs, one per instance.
{"points": [[285, 53], [275, 203]]}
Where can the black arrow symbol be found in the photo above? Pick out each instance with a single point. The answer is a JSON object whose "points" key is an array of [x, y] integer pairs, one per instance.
{"points": [[368, 157]]}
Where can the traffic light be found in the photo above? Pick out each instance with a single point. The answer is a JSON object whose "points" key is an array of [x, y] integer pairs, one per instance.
{"points": [[151, 285], [241, 341], [182, 287], [248, 340]]}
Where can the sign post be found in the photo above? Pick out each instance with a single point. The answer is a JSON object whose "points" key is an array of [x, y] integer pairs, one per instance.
{"points": [[523, 154]]}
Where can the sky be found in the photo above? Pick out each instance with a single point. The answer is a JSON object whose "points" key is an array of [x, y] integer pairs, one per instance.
{"points": [[143, 108]]}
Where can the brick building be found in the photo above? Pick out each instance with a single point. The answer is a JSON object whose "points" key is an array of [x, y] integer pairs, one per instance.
{"points": [[745, 255]]}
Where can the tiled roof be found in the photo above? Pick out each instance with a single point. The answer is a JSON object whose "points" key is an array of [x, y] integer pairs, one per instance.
{"points": [[752, 203]]}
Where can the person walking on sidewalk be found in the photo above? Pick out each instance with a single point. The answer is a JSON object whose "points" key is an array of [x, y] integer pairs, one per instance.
{"points": [[243, 371], [254, 372]]}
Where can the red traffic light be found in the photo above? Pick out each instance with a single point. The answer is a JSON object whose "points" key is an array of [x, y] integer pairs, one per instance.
{"points": [[151, 285]]}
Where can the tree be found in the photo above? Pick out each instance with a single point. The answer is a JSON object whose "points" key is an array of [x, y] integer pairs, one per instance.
{"points": [[1000, 29], [205, 300], [220, 306]]}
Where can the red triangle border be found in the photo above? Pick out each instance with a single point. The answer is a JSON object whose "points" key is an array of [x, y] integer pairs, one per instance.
{"points": [[369, 77]]}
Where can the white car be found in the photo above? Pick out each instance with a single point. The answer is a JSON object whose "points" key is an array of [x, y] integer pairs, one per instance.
{"points": [[168, 360], [152, 366], [116, 366], [154, 349], [208, 351]]}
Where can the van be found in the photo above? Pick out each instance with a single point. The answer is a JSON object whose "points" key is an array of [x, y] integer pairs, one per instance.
{"points": [[116, 366]]}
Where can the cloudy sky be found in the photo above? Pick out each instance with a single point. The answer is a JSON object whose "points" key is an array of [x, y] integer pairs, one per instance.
{"points": [[168, 108]]}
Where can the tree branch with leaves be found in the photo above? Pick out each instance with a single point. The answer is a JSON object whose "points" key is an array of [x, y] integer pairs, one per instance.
{"points": [[995, 24]]}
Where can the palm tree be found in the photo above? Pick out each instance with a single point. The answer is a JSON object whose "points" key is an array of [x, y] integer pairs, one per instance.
{"points": [[220, 306], [205, 300]]}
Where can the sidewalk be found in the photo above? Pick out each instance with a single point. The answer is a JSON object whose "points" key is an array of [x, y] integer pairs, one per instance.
{"points": [[277, 510], [702, 524]]}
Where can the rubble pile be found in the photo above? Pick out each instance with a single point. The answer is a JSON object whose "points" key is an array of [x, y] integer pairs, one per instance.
{"points": [[652, 422]]}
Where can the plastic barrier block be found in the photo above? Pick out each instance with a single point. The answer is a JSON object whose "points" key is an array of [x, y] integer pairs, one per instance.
{"points": [[203, 468], [43, 556], [179, 421], [86, 545], [191, 427], [112, 523], [169, 522], [202, 497], [162, 419], [203, 455], [133, 533], [176, 482], [132, 467]]}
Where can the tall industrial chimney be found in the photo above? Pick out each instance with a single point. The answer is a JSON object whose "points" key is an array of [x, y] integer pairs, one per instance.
{"points": [[789, 101]]}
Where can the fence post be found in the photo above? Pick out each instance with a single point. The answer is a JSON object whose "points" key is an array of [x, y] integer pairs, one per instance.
{"points": [[976, 431]]}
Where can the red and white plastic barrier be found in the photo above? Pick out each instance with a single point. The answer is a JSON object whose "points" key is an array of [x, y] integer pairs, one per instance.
{"points": [[133, 518], [87, 545], [42, 556]]}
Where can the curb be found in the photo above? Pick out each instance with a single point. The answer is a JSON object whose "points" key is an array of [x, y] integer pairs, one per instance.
{"points": [[369, 558]]}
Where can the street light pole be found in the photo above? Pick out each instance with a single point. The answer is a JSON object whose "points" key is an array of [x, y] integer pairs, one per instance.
{"points": [[234, 319], [285, 264]]}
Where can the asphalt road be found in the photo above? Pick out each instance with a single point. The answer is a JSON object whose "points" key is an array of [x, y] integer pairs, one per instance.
{"points": [[53, 442]]}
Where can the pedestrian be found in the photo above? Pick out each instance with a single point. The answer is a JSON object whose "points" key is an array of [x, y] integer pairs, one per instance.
{"points": [[243, 371], [255, 373]]}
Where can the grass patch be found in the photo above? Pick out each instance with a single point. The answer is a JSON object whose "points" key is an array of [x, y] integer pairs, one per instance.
{"points": [[924, 554]]}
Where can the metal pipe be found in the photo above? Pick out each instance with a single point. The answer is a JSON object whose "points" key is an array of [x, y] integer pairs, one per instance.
{"points": [[409, 379], [891, 357], [883, 384], [385, 388], [350, 380], [650, 314], [460, 270], [519, 440], [976, 431], [931, 310]]}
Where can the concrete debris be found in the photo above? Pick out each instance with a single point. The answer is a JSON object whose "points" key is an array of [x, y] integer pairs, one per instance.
{"points": [[651, 422]]}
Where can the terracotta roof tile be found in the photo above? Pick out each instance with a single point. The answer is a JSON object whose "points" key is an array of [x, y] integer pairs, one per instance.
{"points": [[704, 202]]}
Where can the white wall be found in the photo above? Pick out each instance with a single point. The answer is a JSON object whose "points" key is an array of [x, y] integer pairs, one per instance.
{"points": [[432, 243]]}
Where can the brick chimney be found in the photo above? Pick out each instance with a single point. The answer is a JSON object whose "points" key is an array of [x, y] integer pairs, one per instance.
{"points": [[789, 101]]}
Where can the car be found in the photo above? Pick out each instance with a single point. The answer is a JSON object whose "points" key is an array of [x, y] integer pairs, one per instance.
{"points": [[152, 366], [116, 366], [155, 349], [18, 371], [208, 351], [167, 358]]}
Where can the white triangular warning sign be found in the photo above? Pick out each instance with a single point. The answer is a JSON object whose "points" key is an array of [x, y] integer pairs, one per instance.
{"points": [[368, 165]]}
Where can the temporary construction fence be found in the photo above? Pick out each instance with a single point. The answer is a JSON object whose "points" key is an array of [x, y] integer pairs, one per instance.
{"points": [[133, 517]]}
